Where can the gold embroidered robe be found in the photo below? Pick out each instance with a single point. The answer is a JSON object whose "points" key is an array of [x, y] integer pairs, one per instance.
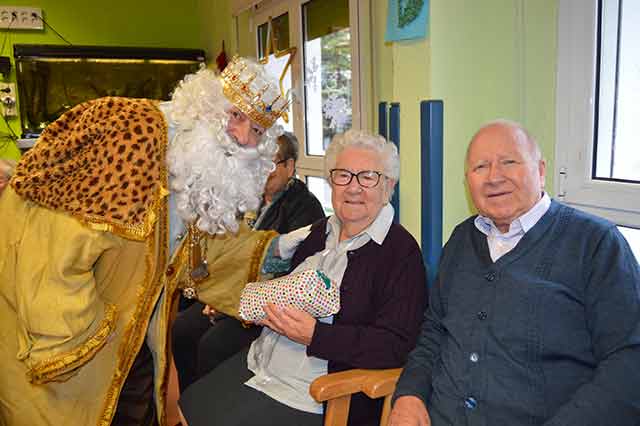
{"points": [[77, 303], [79, 294]]}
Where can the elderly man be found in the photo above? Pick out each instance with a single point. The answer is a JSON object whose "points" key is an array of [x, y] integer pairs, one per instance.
{"points": [[105, 218], [534, 318]]}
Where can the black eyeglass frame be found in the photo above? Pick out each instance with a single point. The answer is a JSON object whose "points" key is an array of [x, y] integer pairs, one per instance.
{"points": [[357, 176]]}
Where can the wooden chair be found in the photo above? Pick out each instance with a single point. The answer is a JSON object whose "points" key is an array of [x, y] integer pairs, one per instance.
{"points": [[336, 389]]}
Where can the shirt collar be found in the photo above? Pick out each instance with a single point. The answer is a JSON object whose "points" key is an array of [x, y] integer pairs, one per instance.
{"points": [[521, 225], [378, 229]]}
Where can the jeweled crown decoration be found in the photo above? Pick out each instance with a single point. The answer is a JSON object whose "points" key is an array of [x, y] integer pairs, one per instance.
{"points": [[247, 86]]}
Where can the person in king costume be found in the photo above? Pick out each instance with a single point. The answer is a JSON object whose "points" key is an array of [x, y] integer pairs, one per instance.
{"points": [[121, 203]]}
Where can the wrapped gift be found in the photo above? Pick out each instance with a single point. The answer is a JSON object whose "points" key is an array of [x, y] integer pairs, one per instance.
{"points": [[309, 290]]}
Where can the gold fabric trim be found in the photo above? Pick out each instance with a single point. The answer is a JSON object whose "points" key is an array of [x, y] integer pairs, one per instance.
{"points": [[48, 370], [148, 294], [258, 254], [124, 230]]}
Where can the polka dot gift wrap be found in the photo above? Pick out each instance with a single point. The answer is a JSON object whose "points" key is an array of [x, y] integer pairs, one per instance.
{"points": [[309, 290]]}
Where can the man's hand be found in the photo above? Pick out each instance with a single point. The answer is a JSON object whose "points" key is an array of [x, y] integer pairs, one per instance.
{"points": [[212, 314], [297, 325], [409, 411], [208, 311]]}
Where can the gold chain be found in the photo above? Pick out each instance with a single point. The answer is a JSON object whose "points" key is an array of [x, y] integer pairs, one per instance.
{"points": [[197, 258]]}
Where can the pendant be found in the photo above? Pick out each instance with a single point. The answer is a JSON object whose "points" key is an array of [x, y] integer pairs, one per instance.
{"points": [[200, 272], [189, 292]]}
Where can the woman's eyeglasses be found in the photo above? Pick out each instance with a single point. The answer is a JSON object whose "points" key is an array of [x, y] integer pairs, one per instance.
{"points": [[365, 178]]}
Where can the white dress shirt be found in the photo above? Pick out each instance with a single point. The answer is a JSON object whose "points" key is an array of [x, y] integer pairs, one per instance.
{"points": [[502, 243]]}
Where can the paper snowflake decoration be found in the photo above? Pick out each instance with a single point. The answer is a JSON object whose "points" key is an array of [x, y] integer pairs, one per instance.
{"points": [[311, 74], [337, 111]]}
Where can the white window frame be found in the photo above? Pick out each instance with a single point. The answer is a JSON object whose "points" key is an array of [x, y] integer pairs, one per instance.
{"points": [[361, 95], [575, 118]]}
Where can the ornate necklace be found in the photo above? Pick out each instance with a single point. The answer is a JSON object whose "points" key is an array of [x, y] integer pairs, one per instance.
{"points": [[198, 266]]}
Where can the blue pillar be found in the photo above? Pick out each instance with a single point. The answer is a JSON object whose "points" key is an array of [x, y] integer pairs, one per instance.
{"points": [[382, 120], [394, 136], [431, 138]]}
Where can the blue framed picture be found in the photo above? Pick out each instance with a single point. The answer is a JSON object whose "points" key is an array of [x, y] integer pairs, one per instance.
{"points": [[407, 19]]}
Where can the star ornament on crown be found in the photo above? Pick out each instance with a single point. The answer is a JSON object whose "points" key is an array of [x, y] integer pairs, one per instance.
{"points": [[247, 86]]}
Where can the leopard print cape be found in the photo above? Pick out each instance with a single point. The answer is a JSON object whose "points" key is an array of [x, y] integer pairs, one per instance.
{"points": [[103, 162]]}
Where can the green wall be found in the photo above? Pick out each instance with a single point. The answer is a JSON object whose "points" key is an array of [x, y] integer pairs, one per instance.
{"points": [[217, 25], [491, 59], [114, 23], [485, 59], [401, 74]]}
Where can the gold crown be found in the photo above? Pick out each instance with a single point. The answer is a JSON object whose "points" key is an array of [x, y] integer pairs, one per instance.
{"points": [[247, 86]]}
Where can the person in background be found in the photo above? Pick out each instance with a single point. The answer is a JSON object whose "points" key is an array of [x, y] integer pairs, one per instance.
{"points": [[378, 266], [534, 318], [203, 338], [6, 169]]}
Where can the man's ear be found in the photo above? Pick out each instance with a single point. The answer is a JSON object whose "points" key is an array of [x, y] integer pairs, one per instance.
{"points": [[542, 170], [290, 164]]}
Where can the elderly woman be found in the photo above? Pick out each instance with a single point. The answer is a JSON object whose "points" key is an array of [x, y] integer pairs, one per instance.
{"points": [[379, 268]]}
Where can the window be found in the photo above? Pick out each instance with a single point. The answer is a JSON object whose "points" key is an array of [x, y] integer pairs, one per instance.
{"points": [[618, 87], [277, 61], [328, 77], [321, 189], [597, 165], [633, 237], [327, 71]]}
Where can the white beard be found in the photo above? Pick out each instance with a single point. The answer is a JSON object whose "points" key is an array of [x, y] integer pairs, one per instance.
{"points": [[214, 178]]}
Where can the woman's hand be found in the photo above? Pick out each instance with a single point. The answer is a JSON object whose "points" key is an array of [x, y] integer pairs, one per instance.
{"points": [[409, 411], [297, 325]]}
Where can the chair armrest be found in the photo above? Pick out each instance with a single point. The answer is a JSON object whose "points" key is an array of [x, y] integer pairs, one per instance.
{"points": [[336, 388], [381, 383], [334, 385], [374, 383]]}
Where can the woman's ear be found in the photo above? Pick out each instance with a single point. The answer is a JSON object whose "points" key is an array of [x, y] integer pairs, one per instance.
{"points": [[389, 185]]}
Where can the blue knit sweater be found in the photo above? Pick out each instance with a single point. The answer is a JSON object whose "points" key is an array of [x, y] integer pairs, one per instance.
{"points": [[549, 334]]}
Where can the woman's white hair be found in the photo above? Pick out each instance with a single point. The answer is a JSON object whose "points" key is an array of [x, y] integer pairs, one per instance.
{"points": [[387, 151]]}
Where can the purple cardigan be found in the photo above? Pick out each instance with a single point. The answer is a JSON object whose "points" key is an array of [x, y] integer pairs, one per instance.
{"points": [[383, 297]]}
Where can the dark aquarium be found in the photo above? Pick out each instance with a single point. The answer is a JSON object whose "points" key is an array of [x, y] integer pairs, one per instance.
{"points": [[52, 79]]}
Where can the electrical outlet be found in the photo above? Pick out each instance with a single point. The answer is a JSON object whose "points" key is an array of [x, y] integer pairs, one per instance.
{"points": [[8, 99], [21, 18]]}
